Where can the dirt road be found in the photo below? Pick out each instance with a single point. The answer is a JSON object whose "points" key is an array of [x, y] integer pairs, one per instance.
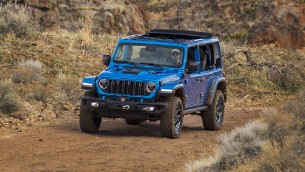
{"points": [[117, 147]]}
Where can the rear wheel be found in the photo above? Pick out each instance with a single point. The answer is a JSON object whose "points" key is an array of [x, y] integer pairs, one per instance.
{"points": [[133, 121], [172, 119], [89, 121], [212, 118]]}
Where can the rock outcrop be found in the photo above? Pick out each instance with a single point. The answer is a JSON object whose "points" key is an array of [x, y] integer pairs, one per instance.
{"points": [[258, 22], [281, 22], [112, 16]]}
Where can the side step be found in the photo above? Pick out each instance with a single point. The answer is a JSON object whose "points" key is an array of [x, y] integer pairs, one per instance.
{"points": [[188, 111]]}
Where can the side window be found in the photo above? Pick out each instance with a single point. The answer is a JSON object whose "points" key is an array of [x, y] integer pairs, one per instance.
{"points": [[191, 61], [203, 51], [217, 55], [211, 60], [207, 56]]}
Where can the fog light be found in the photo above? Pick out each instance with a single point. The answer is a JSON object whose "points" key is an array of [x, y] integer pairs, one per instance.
{"points": [[148, 108], [94, 104]]}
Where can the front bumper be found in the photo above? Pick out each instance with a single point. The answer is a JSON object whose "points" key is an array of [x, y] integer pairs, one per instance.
{"points": [[125, 109]]}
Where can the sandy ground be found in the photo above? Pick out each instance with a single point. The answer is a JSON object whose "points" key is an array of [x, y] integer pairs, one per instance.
{"points": [[61, 146]]}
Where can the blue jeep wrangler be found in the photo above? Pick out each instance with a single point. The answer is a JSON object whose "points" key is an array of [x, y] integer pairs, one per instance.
{"points": [[160, 75]]}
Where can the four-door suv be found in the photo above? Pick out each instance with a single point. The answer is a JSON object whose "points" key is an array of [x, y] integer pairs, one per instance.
{"points": [[160, 75]]}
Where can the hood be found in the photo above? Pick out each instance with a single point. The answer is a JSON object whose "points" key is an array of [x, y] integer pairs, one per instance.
{"points": [[142, 74]]}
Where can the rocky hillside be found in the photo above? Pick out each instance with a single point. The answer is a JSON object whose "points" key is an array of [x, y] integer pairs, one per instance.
{"points": [[258, 22], [112, 17]]}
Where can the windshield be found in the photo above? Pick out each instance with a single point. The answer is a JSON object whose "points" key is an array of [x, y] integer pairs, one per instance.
{"points": [[149, 54]]}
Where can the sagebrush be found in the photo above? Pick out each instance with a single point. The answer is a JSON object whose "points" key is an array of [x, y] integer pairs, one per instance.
{"points": [[41, 92], [235, 147], [70, 86], [28, 71], [9, 101], [287, 138], [17, 20]]}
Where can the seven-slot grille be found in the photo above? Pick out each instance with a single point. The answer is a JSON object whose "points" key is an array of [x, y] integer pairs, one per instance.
{"points": [[126, 87]]}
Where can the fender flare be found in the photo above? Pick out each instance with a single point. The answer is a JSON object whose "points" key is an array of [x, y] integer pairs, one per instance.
{"points": [[213, 89], [88, 83], [169, 90]]}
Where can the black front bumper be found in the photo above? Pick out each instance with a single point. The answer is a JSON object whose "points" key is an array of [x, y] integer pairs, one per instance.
{"points": [[125, 109]]}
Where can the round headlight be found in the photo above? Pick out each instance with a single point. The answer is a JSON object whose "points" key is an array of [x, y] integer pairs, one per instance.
{"points": [[150, 87], [103, 83]]}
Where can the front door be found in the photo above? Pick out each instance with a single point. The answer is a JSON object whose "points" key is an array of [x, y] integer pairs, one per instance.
{"points": [[194, 81]]}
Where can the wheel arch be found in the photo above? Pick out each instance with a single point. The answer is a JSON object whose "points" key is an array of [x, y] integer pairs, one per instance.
{"points": [[179, 92], [173, 90], [217, 84], [88, 83]]}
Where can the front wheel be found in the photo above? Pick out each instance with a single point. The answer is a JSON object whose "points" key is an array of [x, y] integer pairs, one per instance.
{"points": [[212, 118], [89, 121], [172, 119]]}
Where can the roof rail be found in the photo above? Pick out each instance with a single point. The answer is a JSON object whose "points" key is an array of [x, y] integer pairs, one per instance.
{"points": [[179, 33]]}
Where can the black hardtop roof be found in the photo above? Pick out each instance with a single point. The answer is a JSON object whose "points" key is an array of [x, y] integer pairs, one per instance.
{"points": [[173, 35], [184, 34]]}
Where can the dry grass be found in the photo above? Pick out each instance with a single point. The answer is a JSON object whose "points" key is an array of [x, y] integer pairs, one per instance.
{"points": [[274, 68], [275, 144], [287, 78], [85, 34], [286, 134], [17, 20], [28, 71], [261, 73], [234, 148], [70, 86], [40, 92], [9, 101]]}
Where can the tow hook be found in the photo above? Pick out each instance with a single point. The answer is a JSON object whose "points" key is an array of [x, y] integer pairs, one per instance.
{"points": [[125, 107]]}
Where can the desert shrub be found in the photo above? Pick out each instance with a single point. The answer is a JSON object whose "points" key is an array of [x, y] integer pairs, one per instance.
{"points": [[297, 107], [27, 71], [287, 158], [286, 134], [5, 87], [286, 78], [277, 127], [227, 49], [279, 140], [40, 92], [258, 78], [235, 147], [85, 34], [9, 102], [17, 20], [240, 144], [69, 85]]}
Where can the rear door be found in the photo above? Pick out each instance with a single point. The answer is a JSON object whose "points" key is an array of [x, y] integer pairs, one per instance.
{"points": [[209, 68]]}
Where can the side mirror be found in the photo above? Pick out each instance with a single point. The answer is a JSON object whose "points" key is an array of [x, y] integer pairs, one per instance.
{"points": [[106, 59]]}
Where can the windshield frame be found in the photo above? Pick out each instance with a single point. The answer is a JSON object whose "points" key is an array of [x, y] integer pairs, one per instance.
{"points": [[122, 43]]}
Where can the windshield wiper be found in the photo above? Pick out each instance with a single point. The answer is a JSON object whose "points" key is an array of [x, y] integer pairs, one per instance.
{"points": [[127, 62], [153, 64]]}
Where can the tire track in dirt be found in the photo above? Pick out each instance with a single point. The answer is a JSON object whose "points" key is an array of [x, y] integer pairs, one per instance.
{"points": [[117, 147]]}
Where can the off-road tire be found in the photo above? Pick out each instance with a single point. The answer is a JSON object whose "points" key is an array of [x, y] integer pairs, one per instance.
{"points": [[133, 121], [172, 118], [88, 120], [212, 118]]}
